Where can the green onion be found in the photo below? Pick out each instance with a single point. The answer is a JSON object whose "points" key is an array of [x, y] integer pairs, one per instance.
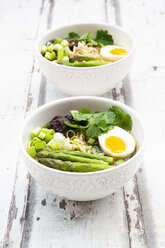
{"points": [[31, 151], [50, 55], [64, 43], [119, 161], [70, 133], [60, 53], [57, 40], [45, 130], [51, 131], [66, 59], [39, 146], [35, 140], [43, 49], [91, 141], [41, 135], [50, 48], [36, 131], [66, 51], [48, 137], [54, 146]]}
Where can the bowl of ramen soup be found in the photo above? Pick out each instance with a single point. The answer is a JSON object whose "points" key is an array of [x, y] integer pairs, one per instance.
{"points": [[83, 148], [85, 58]]}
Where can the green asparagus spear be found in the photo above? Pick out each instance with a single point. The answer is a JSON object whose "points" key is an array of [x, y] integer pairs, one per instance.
{"points": [[68, 157], [88, 63], [72, 166], [109, 160]]}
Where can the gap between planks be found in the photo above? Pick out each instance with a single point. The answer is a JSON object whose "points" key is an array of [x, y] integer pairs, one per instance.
{"points": [[121, 96], [116, 96]]}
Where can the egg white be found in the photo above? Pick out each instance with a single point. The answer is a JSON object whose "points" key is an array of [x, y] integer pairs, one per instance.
{"points": [[105, 53], [122, 134]]}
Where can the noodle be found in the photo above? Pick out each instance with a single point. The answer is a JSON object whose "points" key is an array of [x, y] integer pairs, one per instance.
{"points": [[84, 49]]}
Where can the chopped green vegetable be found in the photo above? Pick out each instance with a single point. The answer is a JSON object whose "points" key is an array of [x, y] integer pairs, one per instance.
{"points": [[50, 48], [51, 131], [35, 140], [57, 40], [36, 131], [39, 146], [31, 151], [54, 145], [119, 161], [88, 63], [43, 49], [81, 59], [41, 135], [50, 55], [66, 59], [48, 137], [60, 53], [66, 51]]}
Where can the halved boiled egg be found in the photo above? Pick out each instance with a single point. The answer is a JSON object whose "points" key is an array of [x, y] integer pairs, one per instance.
{"points": [[117, 143], [113, 53]]}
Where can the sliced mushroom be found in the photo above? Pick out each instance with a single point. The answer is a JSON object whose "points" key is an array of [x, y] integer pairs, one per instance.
{"points": [[72, 43]]}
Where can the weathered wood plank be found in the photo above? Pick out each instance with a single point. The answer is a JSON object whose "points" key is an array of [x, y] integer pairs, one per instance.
{"points": [[146, 88], [16, 66], [36, 220], [48, 215], [13, 235]]}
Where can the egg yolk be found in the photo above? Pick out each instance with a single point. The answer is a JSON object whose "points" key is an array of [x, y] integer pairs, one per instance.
{"points": [[118, 51], [115, 144]]}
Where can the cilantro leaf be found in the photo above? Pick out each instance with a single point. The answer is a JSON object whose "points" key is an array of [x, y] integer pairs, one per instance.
{"points": [[72, 36], [122, 119], [85, 111], [93, 131], [88, 39], [103, 38], [109, 117], [100, 122], [77, 116]]}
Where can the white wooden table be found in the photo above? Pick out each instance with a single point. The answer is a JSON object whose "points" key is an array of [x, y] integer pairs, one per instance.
{"points": [[30, 216]]}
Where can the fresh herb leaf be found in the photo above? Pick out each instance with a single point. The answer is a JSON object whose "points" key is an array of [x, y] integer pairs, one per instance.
{"points": [[72, 36], [122, 119], [93, 131], [88, 39], [79, 116], [85, 111], [103, 38], [109, 117], [100, 122], [75, 125]]}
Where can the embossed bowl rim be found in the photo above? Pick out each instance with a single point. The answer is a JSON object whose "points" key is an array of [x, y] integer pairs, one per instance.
{"points": [[52, 30], [67, 100]]}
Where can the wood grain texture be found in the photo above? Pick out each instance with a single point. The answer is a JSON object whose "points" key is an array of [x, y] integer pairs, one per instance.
{"points": [[33, 217], [146, 88], [66, 218]]}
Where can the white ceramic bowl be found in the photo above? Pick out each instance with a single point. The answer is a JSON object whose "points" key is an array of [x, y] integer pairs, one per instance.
{"points": [[81, 186], [87, 80]]}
